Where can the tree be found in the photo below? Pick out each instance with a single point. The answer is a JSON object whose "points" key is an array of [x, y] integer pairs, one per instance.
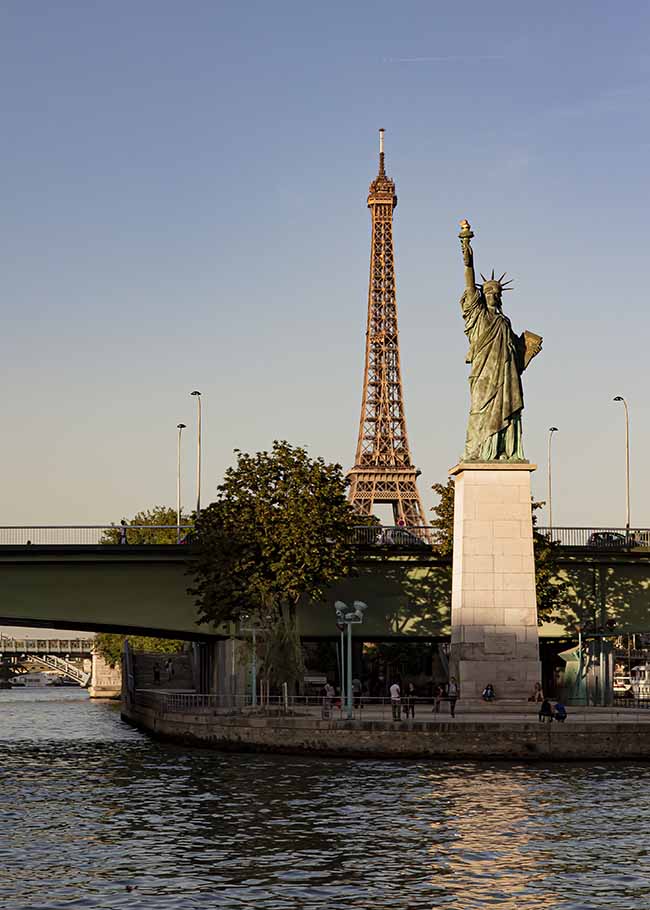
{"points": [[159, 515], [278, 532], [443, 538], [110, 645], [552, 590]]}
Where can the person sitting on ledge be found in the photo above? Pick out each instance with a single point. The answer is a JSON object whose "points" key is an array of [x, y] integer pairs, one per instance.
{"points": [[545, 711], [560, 712], [538, 694], [488, 693]]}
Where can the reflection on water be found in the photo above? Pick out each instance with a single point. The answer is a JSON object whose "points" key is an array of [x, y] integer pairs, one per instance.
{"points": [[91, 807]]}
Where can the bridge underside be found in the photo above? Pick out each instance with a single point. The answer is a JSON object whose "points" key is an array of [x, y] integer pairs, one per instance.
{"points": [[143, 590], [135, 589]]}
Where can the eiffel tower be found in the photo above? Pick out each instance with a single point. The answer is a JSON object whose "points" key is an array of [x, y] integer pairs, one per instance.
{"points": [[383, 471]]}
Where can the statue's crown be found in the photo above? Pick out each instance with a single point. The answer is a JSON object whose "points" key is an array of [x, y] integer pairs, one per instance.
{"points": [[495, 284]]}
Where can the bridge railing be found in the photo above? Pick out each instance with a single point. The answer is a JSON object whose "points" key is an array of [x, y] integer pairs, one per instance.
{"points": [[72, 646], [89, 535], [607, 538], [599, 538]]}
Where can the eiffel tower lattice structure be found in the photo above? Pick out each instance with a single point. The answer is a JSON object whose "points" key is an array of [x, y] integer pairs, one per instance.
{"points": [[383, 471]]}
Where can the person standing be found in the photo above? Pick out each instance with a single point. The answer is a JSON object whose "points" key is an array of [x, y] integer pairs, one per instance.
{"points": [[356, 691], [122, 532], [453, 694], [438, 693], [395, 700], [409, 701]]}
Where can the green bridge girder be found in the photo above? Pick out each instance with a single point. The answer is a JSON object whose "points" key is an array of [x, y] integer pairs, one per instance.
{"points": [[143, 589]]}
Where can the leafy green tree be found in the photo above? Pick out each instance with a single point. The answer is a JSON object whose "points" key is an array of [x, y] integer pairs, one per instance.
{"points": [[159, 515], [443, 523], [552, 590], [278, 531], [110, 645]]}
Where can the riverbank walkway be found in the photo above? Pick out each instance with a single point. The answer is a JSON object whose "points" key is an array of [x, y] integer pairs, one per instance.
{"points": [[189, 702]]}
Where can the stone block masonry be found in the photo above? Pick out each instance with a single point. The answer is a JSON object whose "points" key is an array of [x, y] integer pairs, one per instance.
{"points": [[528, 740], [494, 635]]}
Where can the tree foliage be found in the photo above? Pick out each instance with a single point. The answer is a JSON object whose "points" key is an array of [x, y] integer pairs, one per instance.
{"points": [[159, 515], [110, 645], [278, 531], [443, 523], [552, 590]]}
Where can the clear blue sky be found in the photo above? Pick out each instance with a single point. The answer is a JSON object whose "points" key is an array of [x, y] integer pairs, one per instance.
{"points": [[183, 195]]}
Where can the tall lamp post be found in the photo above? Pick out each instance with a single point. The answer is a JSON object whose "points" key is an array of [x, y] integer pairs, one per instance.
{"points": [[627, 463], [551, 430], [198, 453], [349, 615], [180, 427]]}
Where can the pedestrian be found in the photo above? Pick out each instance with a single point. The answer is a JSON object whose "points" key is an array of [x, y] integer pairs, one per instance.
{"points": [[545, 712], [537, 694], [156, 673], [559, 712], [356, 692], [328, 697], [169, 668], [438, 693], [409, 701], [395, 700], [488, 693], [122, 532], [453, 694]]}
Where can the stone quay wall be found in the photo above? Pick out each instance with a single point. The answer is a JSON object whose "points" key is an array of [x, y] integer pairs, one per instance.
{"points": [[523, 740]]}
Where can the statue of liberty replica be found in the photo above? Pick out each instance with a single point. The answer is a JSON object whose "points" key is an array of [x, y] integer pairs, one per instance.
{"points": [[498, 357], [494, 637]]}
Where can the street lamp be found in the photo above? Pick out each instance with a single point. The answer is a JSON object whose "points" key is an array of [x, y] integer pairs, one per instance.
{"points": [[551, 430], [627, 463], [180, 427], [349, 615], [198, 453]]}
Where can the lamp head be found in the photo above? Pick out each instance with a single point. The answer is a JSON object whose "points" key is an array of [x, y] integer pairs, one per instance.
{"points": [[618, 398], [195, 392], [180, 426], [552, 429]]}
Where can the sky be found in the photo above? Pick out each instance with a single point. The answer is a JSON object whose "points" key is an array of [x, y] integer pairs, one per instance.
{"points": [[183, 207]]}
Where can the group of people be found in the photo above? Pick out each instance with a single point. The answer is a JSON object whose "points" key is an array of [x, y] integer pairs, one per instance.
{"points": [[450, 692], [403, 702], [547, 711]]}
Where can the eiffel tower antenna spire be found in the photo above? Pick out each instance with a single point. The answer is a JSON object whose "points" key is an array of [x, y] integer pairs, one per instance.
{"points": [[383, 471]]}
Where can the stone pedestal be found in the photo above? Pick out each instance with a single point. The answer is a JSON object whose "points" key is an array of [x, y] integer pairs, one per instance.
{"points": [[494, 634]]}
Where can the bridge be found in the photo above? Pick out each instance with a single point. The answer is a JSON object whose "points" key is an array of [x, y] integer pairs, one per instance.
{"points": [[61, 655], [67, 577]]}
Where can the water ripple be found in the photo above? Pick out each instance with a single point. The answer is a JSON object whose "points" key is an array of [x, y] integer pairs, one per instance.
{"points": [[102, 817]]}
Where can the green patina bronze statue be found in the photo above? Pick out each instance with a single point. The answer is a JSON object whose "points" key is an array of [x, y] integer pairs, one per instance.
{"points": [[498, 358]]}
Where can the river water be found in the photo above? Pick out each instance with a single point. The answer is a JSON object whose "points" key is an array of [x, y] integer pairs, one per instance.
{"points": [[97, 815]]}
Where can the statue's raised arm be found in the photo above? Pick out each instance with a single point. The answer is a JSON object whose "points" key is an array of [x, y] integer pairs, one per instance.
{"points": [[468, 254]]}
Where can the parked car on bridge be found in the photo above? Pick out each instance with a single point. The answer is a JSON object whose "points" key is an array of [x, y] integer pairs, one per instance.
{"points": [[607, 539]]}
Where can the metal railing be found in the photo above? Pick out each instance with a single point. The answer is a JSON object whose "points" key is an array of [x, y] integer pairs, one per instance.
{"points": [[420, 710], [388, 536], [72, 646], [599, 538], [88, 535]]}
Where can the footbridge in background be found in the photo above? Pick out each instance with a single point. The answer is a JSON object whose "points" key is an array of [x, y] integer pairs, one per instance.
{"points": [[67, 577]]}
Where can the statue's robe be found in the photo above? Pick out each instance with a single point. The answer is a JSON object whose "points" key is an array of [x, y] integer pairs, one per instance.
{"points": [[496, 356]]}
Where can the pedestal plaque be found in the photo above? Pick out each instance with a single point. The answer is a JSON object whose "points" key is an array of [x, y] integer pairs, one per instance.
{"points": [[494, 634]]}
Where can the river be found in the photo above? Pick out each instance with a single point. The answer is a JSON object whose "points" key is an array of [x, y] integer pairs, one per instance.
{"points": [[98, 815]]}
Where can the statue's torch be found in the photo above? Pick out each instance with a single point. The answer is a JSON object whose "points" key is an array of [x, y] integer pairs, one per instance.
{"points": [[465, 236]]}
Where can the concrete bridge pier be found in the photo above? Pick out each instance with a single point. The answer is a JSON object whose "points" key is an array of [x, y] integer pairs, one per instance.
{"points": [[105, 681]]}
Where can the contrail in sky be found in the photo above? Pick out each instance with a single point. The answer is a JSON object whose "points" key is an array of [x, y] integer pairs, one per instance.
{"points": [[458, 57]]}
